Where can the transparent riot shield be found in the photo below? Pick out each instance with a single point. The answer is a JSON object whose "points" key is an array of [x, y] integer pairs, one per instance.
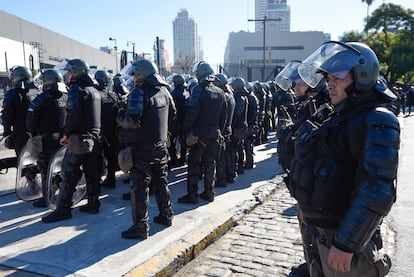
{"points": [[28, 178], [55, 178]]}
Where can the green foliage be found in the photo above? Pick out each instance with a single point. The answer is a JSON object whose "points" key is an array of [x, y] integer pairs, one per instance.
{"points": [[389, 31]]}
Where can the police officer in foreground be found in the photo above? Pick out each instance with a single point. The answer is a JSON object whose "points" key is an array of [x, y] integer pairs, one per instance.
{"points": [[15, 104], [144, 127], [45, 119], [82, 134], [110, 145], [344, 169], [205, 119]]}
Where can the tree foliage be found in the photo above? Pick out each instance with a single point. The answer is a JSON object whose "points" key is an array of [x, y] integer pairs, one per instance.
{"points": [[389, 31]]}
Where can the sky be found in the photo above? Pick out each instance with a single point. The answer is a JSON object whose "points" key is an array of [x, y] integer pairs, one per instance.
{"points": [[93, 22]]}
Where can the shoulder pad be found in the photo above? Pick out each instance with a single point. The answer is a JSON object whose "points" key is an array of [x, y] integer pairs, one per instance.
{"points": [[38, 101], [382, 117], [73, 97], [156, 80], [135, 104], [8, 96]]}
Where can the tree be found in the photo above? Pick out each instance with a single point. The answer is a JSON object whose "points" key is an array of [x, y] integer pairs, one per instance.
{"points": [[352, 36], [390, 34], [369, 2]]}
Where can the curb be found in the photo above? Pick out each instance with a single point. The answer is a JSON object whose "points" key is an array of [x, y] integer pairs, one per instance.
{"points": [[177, 254]]}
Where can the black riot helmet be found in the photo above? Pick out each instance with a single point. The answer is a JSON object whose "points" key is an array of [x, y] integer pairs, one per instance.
{"points": [[220, 80], [103, 78], [52, 79], [178, 80], [239, 85], [338, 59], [19, 74], [202, 70], [143, 69], [78, 68]]}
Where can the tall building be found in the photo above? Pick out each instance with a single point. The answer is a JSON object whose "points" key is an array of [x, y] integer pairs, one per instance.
{"points": [[161, 53], [187, 43], [273, 9]]}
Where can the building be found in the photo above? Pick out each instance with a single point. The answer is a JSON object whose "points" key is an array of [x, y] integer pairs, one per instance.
{"points": [[246, 57], [30, 45], [186, 41], [162, 57], [274, 10]]}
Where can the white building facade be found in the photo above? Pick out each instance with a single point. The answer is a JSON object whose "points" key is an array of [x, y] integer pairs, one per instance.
{"points": [[30, 45], [244, 52]]}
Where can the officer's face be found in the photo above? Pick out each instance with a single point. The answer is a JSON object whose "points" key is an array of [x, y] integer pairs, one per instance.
{"points": [[337, 86], [300, 87]]}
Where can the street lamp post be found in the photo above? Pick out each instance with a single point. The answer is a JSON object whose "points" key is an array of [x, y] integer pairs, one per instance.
{"points": [[133, 49], [116, 54], [264, 39]]}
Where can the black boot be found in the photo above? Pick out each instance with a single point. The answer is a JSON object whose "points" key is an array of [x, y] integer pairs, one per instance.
{"points": [[91, 207], [126, 196], [57, 215], [163, 220], [137, 231], [209, 196], [40, 203], [109, 182], [188, 199]]}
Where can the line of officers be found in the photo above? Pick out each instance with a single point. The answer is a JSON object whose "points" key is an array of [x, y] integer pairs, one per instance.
{"points": [[212, 121], [337, 143]]}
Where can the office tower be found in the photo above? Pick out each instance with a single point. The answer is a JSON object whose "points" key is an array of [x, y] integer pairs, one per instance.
{"points": [[187, 46], [273, 9]]}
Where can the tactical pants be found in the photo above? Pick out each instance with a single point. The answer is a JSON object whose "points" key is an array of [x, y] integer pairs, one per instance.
{"points": [[224, 168], [149, 167], [370, 262], [72, 173], [49, 149], [249, 151], [239, 145], [310, 249], [208, 150], [110, 150]]}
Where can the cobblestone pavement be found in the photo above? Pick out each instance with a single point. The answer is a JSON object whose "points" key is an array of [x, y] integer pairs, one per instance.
{"points": [[266, 242]]}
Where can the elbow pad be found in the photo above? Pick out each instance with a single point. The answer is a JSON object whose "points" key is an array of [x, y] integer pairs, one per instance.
{"points": [[364, 216], [377, 193]]}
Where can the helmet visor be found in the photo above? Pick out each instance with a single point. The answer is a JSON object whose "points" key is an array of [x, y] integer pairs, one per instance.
{"points": [[286, 77], [332, 57]]}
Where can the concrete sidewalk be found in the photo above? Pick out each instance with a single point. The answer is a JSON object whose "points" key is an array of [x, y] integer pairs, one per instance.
{"points": [[91, 245]]}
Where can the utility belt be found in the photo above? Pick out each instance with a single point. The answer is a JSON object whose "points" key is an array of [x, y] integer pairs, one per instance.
{"points": [[328, 223]]}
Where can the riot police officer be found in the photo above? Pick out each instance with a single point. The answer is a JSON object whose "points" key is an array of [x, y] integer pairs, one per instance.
{"points": [[180, 96], [308, 100], [239, 124], [45, 118], [144, 127], [205, 118], [252, 126], [15, 104], [260, 94], [343, 172], [82, 133], [110, 145], [225, 162]]}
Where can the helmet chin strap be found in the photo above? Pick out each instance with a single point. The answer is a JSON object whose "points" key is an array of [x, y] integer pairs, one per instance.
{"points": [[351, 90]]}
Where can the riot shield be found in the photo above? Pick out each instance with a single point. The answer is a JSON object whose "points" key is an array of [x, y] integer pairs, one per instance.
{"points": [[55, 178], [28, 178]]}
